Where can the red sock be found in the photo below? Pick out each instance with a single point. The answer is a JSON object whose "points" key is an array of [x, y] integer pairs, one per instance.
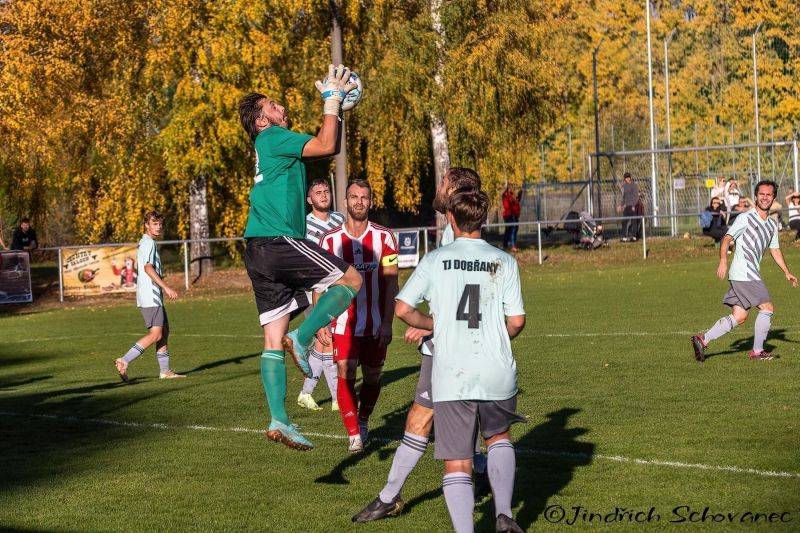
{"points": [[346, 396], [368, 398]]}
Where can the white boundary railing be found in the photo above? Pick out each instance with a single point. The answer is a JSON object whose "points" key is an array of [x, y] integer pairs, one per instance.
{"points": [[425, 230]]}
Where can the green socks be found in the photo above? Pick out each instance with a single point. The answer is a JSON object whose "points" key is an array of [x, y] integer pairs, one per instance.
{"points": [[273, 376], [330, 305]]}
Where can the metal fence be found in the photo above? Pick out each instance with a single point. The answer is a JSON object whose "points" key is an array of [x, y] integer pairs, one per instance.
{"points": [[539, 233]]}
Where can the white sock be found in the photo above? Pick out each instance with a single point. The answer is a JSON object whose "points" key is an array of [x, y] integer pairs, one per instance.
{"points": [[460, 501]]}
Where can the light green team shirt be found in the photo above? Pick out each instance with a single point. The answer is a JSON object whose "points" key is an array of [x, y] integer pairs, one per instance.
{"points": [[278, 197], [752, 236], [470, 287], [148, 294], [447, 235]]}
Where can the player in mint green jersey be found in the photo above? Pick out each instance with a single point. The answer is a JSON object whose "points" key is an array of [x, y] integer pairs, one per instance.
{"points": [[419, 421], [475, 301], [281, 262], [150, 289], [754, 232]]}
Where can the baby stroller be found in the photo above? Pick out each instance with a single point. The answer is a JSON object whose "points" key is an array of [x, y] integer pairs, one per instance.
{"points": [[587, 234]]}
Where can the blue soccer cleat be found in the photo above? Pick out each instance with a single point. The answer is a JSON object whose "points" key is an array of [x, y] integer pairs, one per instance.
{"points": [[298, 352], [287, 434]]}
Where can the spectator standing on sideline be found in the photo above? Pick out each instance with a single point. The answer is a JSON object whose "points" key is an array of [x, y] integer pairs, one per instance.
{"points": [[793, 203], [718, 191], [511, 212], [2, 230], [24, 237], [732, 193], [630, 197]]}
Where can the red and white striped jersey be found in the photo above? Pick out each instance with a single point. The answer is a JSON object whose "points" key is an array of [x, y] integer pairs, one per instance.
{"points": [[369, 253]]}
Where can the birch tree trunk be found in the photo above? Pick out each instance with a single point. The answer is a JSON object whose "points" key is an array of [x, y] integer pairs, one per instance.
{"points": [[441, 152], [198, 227]]}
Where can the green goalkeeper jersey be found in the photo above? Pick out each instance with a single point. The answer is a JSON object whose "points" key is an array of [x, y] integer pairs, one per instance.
{"points": [[278, 197], [471, 287]]}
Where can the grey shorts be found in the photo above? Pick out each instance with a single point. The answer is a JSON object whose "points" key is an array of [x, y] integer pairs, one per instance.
{"points": [[155, 317], [423, 394], [455, 424], [746, 294]]}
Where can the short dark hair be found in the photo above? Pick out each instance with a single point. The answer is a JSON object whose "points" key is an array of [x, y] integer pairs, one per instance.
{"points": [[25, 220], [361, 183], [153, 215], [770, 183], [462, 177], [317, 181], [249, 111], [469, 208], [627, 175]]}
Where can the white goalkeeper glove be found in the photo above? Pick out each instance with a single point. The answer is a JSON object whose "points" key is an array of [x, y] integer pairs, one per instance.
{"points": [[334, 88]]}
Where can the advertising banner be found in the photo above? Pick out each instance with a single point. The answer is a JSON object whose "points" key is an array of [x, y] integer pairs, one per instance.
{"points": [[15, 278], [99, 270], [408, 241]]}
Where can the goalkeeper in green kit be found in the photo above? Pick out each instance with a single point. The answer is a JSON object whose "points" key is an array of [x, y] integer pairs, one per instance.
{"points": [[281, 263]]}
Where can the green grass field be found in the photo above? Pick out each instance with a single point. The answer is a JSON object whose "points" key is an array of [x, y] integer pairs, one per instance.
{"points": [[620, 414]]}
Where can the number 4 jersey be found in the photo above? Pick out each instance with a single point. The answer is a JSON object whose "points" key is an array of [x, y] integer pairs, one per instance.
{"points": [[470, 287]]}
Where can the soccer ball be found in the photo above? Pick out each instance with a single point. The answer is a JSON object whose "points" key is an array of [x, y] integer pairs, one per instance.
{"points": [[354, 96]]}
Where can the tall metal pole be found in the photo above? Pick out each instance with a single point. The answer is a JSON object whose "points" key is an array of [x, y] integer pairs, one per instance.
{"points": [[697, 168], [590, 196], [653, 176], [596, 129], [569, 145], [755, 97], [772, 149], [336, 56], [666, 84], [673, 226], [541, 147]]}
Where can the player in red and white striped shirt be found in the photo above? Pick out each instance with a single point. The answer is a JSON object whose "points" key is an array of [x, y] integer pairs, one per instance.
{"points": [[363, 332]]}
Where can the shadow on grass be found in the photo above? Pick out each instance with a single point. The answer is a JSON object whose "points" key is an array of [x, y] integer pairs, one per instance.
{"points": [[238, 360], [392, 428], [52, 433], [547, 457], [396, 374], [7, 386], [41, 439], [744, 345], [388, 377]]}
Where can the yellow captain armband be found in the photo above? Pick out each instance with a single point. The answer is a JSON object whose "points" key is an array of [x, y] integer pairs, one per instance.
{"points": [[389, 260]]}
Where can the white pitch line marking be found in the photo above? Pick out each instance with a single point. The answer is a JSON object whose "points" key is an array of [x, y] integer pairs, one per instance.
{"points": [[523, 451], [250, 336], [123, 334], [614, 334]]}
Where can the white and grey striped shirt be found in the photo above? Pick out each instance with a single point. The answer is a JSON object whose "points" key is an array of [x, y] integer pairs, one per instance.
{"points": [[752, 236], [315, 227]]}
